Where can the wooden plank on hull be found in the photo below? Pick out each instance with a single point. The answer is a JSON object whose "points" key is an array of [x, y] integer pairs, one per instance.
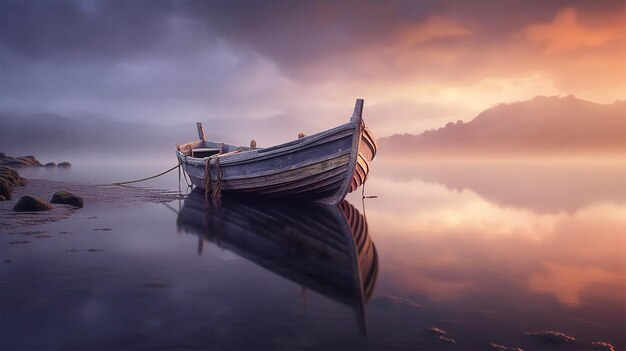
{"points": [[286, 174], [308, 188], [309, 181]]}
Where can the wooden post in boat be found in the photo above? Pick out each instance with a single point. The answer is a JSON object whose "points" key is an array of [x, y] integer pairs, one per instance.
{"points": [[200, 131]]}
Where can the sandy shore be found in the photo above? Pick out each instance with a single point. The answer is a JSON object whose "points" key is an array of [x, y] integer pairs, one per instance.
{"points": [[93, 195]]}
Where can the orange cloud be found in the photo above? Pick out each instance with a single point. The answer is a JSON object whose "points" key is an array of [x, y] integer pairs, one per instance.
{"points": [[566, 34], [433, 28]]}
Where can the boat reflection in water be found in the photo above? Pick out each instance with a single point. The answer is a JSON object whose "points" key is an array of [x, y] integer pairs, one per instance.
{"points": [[324, 248]]}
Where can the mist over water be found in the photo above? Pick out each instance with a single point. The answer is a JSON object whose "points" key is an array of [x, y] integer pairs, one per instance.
{"points": [[483, 250], [98, 169]]}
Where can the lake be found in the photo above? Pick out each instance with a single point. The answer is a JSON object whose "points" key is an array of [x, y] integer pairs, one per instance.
{"points": [[485, 252]]}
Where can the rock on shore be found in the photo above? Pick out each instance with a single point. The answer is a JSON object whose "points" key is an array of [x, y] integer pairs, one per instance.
{"points": [[9, 179], [32, 204], [67, 198], [22, 161]]}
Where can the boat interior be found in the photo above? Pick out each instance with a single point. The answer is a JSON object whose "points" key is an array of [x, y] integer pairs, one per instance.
{"points": [[206, 148]]}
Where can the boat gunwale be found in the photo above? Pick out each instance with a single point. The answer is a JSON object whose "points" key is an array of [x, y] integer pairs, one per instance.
{"points": [[255, 155]]}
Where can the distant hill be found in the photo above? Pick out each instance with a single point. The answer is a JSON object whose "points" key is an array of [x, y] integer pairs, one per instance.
{"points": [[543, 125]]}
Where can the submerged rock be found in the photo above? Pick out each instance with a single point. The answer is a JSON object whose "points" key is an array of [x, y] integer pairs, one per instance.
{"points": [[440, 335], [496, 347], [64, 164], [436, 331], [602, 346], [67, 198], [31, 203], [50, 164], [551, 337], [446, 339]]}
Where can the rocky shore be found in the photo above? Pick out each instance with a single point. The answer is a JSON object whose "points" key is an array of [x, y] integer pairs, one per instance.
{"points": [[28, 161], [94, 196], [10, 179]]}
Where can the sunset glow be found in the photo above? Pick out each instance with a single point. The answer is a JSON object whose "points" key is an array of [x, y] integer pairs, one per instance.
{"points": [[417, 64]]}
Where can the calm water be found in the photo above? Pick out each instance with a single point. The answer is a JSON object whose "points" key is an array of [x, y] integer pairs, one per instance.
{"points": [[483, 251]]}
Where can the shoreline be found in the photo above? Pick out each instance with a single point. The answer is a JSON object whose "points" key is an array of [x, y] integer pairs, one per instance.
{"points": [[94, 196]]}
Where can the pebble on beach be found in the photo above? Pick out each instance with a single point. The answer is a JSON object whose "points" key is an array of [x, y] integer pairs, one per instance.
{"points": [[31, 203], [67, 198]]}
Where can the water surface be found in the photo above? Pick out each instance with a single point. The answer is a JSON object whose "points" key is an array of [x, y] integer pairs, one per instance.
{"points": [[483, 251]]}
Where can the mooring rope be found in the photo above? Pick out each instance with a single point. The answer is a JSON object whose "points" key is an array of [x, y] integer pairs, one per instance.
{"points": [[215, 191], [151, 177], [186, 180], [207, 178]]}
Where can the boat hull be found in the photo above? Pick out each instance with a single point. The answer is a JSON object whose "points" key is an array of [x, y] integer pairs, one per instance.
{"points": [[322, 167]]}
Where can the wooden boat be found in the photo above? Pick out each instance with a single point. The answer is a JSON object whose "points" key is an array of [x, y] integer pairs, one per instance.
{"points": [[320, 247], [323, 167]]}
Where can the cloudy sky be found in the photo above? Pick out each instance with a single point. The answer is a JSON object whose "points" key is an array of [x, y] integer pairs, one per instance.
{"points": [[417, 64]]}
